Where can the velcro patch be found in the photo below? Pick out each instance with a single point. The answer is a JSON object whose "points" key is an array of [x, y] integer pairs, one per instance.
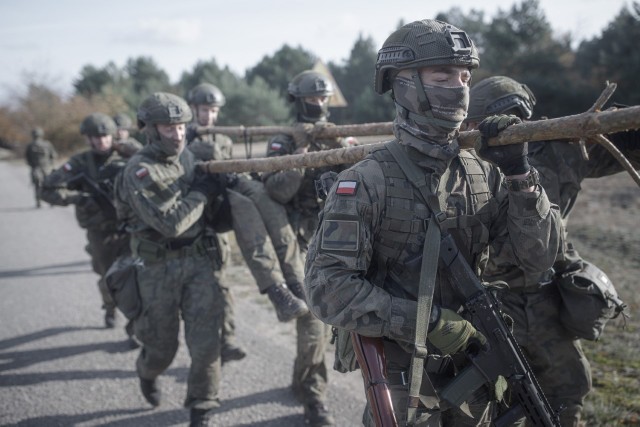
{"points": [[142, 172], [67, 167], [276, 146], [340, 235], [347, 188]]}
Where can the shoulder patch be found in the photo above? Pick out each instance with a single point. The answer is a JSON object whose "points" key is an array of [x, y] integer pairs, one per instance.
{"points": [[67, 167], [340, 235], [142, 172], [347, 188]]}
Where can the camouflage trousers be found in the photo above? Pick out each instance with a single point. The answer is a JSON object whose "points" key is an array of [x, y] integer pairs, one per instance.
{"points": [[228, 331], [429, 414], [37, 178], [554, 354], [264, 235], [104, 247], [173, 288], [310, 369]]}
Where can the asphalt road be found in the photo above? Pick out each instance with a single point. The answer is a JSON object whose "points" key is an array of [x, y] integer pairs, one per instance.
{"points": [[59, 366]]}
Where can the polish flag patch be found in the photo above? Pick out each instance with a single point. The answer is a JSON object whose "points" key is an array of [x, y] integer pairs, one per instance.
{"points": [[276, 146], [142, 172], [67, 167], [347, 188]]}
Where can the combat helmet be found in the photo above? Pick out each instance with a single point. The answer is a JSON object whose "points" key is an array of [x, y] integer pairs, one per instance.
{"points": [[37, 132], [309, 83], [123, 121], [499, 95], [97, 124], [419, 44], [163, 108], [206, 94]]}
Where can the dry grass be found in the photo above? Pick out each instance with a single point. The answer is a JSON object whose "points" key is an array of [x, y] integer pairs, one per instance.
{"points": [[605, 229]]}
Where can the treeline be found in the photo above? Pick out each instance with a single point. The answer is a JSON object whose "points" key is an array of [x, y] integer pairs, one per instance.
{"points": [[518, 42]]}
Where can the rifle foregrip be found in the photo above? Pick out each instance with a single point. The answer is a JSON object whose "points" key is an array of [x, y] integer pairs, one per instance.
{"points": [[370, 354]]}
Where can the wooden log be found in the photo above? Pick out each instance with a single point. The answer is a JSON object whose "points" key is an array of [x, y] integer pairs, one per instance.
{"points": [[585, 125], [364, 129]]}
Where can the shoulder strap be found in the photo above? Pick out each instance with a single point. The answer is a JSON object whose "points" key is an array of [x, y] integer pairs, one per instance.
{"points": [[428, 269]]}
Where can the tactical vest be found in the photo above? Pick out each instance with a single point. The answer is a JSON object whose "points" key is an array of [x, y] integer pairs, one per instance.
{"points": [[403, 222]]}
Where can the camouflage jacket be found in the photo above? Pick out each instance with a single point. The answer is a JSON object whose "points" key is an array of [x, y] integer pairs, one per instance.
{"points": [[562, 170], [154, 197], [86, 181], [295, 188], [353, 279], [41, 154]]}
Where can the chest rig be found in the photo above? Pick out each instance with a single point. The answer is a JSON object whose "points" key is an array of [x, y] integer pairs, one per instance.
{"points": [[403, 225]]}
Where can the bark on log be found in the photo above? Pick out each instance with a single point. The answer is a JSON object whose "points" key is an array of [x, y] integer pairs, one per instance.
{"points": [[585, 125], [364, 129]]}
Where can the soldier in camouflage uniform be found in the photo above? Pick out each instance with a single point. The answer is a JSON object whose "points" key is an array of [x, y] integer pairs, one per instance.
{"points": [[264, 236], [123, 140], [161, 195], [40, 156], [364, 262], [86, 181], [534, 301], [296, 190]]}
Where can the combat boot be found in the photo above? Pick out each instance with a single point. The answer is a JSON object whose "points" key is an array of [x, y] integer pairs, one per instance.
{"points": [[288, 306], [110, 317], [151, 391], [231, 352], [297, 290], [316, 414], [200, 417]]}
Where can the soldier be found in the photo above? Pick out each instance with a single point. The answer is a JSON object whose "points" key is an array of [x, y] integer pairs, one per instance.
{"points": [[40, 156], [296, 190], [86, 181], [534, 301], [262, 231], [161, 196], [123, 141], [363, 270]]}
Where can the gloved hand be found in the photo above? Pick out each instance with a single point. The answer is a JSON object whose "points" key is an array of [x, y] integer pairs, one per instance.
{"points": [[209, 184], [327, 142], [303, 134], [511, 159], [451, 333]]}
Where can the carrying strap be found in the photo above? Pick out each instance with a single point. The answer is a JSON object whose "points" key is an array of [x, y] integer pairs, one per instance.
{"points": [[428, 269]]}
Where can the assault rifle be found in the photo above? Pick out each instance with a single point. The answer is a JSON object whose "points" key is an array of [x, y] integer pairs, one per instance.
{"points": [[502, 358], [99, 191]]}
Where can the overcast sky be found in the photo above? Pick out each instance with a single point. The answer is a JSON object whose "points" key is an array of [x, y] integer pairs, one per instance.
{"points": [[54, 39]]}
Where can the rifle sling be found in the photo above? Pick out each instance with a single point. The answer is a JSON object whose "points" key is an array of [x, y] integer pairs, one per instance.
{"points": [[428, 270]]}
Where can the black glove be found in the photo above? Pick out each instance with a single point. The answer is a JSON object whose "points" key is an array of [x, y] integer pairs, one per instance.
{"points": [[511, 159], [209, 184]]}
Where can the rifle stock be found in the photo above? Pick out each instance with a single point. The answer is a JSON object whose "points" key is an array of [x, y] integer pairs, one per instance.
{"points": [[370, 355], [503, 356]]}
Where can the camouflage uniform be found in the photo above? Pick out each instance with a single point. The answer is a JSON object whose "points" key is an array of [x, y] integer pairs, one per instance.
{"points": [[534, 302], [296, 190], [262, 231], [158, 199], [93, 208], [364, 262], [40, 156]]}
